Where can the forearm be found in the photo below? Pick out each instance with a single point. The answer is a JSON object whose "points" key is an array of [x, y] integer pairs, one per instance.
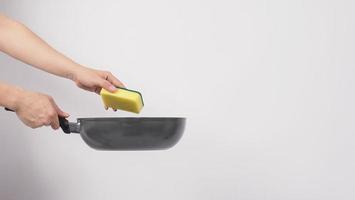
{"points": [[21, 43], [9, 95]]}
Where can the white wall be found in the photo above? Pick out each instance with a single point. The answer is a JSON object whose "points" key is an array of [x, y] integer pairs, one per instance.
{"points": [[267, 87]]}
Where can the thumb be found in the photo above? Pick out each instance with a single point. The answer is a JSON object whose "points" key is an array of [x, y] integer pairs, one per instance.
{"points": [[108, 86], [61, 112]]}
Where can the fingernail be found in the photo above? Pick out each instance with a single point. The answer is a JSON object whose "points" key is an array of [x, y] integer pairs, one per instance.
{"points": [[113, 88]]}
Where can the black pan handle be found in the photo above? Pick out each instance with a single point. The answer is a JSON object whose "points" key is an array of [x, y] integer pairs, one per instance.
{"points": [[64, 123]]}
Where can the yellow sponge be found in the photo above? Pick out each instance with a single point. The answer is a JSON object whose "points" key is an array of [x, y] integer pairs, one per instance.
{"points": [[123, 99]]}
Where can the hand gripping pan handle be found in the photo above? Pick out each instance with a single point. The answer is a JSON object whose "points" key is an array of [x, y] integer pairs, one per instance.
{"points": [[64, 123]]}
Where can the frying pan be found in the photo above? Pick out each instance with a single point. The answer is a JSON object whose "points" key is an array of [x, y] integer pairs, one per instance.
{"points": [[127, 133], [131, 133]]}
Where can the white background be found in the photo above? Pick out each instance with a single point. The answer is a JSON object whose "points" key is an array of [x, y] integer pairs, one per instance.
{"points": [[267, 87]]}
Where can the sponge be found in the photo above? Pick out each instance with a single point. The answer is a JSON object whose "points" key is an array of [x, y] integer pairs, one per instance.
{"points": [[123, 99]]}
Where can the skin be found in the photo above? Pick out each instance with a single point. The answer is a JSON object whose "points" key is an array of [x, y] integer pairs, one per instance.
{"points": [[36, 109]]}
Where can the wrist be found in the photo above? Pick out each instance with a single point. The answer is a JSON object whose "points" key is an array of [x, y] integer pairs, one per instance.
{"points": [[11, 96], [73, 72], [16, 96]]}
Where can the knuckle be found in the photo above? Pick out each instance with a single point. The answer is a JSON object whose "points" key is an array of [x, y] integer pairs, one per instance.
{"points": [[31, 121], [107, 84], [45, 120], [103, 83], [49, 97], [52, 114], [35, 125]]}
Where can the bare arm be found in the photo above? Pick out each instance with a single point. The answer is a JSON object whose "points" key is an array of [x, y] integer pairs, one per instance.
{"points": [[21, 43]]}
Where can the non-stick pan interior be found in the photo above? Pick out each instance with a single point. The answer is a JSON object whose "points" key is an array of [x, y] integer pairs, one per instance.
{"points": [[131, 133]]}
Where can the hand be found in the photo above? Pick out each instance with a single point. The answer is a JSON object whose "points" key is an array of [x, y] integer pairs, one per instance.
{"points": [[93, 80], [36, 110]]}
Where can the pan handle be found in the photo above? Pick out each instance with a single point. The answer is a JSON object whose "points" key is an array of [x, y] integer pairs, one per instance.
{"points": [[64, 123]]}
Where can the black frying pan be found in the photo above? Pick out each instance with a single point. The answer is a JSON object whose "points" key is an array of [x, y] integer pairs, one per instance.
{"points": [[127, 133]]}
